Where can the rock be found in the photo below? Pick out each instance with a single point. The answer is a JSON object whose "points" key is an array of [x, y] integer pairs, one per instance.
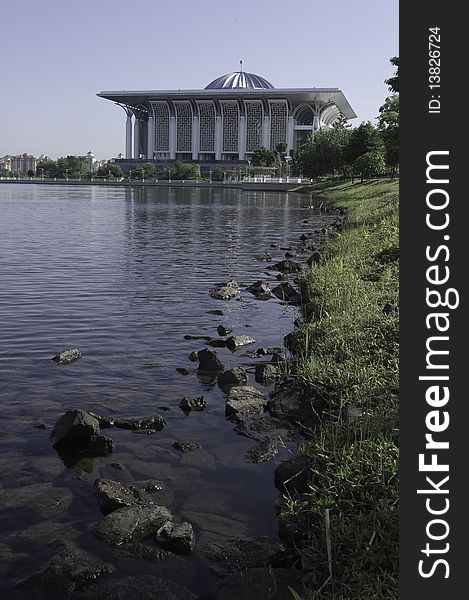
{"points": [[233, 555], [74, 430], [186, 446], [217, 343], [285, 291], [67, 356], [182, 371], [139, 587], [69, 568], [390, 308], [131, 523], [266, 351], [99, 445], [265, 373], [113, 495], [176, 537], [197, 337], [209, 361], [264, 450], [193, 356], [187, 404], [155, 422], [40, 426], [291, 254], [287, 266], [142, 550], [277, 358], [295, 404], [259, 583], [216, 312], [238, 341], [225, 291], [236, 376], [222, 330], [265, 257], [259, 289], [243, 401], [314, 258], [293, 475]]}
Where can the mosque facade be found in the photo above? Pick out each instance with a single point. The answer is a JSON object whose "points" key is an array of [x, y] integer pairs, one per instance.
{"points": [[226, 121]]}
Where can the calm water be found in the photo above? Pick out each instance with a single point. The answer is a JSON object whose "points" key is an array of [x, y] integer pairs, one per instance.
{"points": [[124, 275]]}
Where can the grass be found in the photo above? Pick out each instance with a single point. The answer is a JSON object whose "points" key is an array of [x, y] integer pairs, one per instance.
{"points": [[347, 349]]}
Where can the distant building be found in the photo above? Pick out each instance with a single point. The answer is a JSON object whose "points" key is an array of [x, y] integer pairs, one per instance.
{"points": [[225, 122], [22, 163]]}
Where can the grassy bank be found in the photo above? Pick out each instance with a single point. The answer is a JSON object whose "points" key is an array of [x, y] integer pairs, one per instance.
{"points": [[348, 353]]}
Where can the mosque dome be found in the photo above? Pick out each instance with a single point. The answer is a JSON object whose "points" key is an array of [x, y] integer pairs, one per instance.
{"points": [[240, 80]]}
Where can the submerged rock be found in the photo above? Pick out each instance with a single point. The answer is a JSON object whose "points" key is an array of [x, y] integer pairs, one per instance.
{"points": [[238, 341], [236, 376], [264, 450], [186, 446], [154, 422], [67, 356], [187, 404], [244, 401], [225, 291], [259, 289], [69, 568], [139, 587], [222, 330], [131, 523], [176, 537]]}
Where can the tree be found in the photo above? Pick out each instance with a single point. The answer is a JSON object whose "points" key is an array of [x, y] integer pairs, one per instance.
{"points": [[393, 82], [109, 169], [261, 157], [388, 125], [75, 167], [364, 138], [182, 171], [146, 171], [47, 168], [369, 164], [30, 173]]}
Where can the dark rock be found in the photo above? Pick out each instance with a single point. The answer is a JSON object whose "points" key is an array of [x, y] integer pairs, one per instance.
{"points": [[193, 356], [197, 337], [280, 277], [182, 371], [187, 446], [259, 288], [266, 351], [291, 341], [68, 569], [117, 466], [140, 587], [176, 537], [164, 408], [187, 404], [225, 291], [265, 257], [74, 429], [239, 341], [143, 551], [390, 308], [222, 330], [217, 343], [99, 445], [216, 312], [113, 495], [209, 361], [314, 258], [290, 254], [264, 450], [295, 404], [236, 376], [266, 373], [238, 554], [67, 356], [40, 426], [131, 523], [255, 426], [285, 291], [293, 475], [287, 266], [259, 583], [244, 401], [277, 358], [155, 422]]}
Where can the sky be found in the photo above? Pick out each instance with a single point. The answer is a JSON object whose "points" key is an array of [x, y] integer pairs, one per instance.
{"points": [[58, 54]]}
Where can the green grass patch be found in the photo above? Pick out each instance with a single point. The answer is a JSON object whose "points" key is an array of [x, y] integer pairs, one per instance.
{"points": [[347, 346]]}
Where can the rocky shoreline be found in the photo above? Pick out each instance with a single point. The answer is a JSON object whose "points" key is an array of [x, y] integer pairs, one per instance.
{"points": [[136, 518]]}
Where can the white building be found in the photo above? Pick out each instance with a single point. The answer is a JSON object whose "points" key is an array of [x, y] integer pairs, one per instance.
{"points": [[227, 121]]}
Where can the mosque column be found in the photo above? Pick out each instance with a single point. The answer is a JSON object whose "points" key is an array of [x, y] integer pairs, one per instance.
{"points": [[218, 138], [172, 138], [242, 137], [195, 138], [128, 136], [290, 132], [151, 137], [266, 132], [137, 138]]}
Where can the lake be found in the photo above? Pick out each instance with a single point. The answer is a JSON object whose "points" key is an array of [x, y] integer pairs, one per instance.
{"points": [[123, 275]]}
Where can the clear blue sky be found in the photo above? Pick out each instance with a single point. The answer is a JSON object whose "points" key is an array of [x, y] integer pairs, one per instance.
{"points": [[58, 54]]}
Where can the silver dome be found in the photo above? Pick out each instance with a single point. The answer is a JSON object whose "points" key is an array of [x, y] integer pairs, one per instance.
{"points": [[240, 80]]}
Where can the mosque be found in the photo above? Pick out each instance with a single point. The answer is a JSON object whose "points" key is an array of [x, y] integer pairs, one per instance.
{"points": [[225, 122]]}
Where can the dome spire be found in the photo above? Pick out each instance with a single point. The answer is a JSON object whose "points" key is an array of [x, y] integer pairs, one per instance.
{"points": [[241, 65]]}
